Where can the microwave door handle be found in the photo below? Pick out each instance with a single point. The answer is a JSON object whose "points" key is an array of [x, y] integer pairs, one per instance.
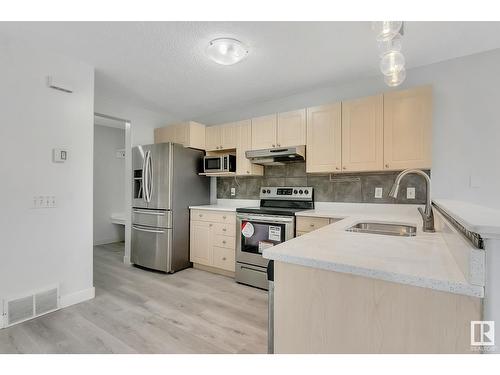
{"points": [[143, 187]]}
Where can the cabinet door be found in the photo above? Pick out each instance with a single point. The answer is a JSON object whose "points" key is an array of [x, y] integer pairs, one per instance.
{"points": [[408, 129], [363, 134], [201, 245], [213, 138], [291, 129], [324, 138], [264, 132], [243, 166], [165, 134], [229, 136]]}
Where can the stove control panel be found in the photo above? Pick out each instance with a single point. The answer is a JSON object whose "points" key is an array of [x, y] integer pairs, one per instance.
{"points": [[287, 193]]}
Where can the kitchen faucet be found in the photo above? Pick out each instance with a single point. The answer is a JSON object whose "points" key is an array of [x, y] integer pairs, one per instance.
{"points": [[427, 215]]}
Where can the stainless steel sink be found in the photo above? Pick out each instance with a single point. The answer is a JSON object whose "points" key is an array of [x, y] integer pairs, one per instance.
{"points": [[384, 228]]}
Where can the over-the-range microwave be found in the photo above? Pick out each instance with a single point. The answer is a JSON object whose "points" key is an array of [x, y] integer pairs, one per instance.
{"points": [[219, 163]]}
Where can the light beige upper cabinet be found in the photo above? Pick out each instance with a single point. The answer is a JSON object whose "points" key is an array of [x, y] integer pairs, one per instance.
{"points": [[213, 138], [229, 136], [221, 137], [363, 134], [408, 129], [189, 134], [291, 129], [324, 138], [243, 166], [264, 132]]}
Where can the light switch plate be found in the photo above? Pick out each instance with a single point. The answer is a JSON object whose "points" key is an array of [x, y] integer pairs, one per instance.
{"points": [[233, 192], [410, 193], [378, 192], [59, 155]]}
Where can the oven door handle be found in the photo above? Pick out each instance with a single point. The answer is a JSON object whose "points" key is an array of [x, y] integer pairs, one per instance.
{"points": [[267, 219]]}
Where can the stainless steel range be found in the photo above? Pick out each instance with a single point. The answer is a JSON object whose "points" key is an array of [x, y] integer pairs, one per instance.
{"points": [[270, 224]]}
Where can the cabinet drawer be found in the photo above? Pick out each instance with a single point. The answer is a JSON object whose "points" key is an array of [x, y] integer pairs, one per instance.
{"points": [[308, 224], [224, 241], [213, 216], [224, 229], [224, 258]]}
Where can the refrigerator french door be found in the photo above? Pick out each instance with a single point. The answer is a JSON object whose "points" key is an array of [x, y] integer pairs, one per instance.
{"points": [[165, 184]]}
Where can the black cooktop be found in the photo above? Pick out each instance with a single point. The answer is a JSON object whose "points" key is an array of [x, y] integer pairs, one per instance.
{"points": [[278, 207]]}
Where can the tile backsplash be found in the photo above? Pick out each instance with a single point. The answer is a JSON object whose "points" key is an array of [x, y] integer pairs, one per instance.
{"points": [[356, 187]]}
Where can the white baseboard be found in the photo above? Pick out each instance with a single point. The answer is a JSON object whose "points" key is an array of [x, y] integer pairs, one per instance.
{"points": [[109, 240], [74, 298]]}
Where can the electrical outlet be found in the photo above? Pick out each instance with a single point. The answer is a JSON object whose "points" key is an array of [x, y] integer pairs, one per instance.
{"points": [[233, 192], [378, 192], [410, 193]]}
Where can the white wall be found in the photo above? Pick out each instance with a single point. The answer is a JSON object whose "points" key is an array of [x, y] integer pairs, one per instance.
{"points": [[109, 183], [41, 247], [466, 133]]}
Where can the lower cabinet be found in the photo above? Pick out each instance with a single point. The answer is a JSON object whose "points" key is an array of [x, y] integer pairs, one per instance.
{"points": [[306, 224], [213, 240]]}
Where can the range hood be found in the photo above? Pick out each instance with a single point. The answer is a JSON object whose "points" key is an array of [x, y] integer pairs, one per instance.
{"points": [[277, 156]]}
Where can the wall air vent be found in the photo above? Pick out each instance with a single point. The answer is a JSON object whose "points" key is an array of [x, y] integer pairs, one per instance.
{"points": [[57, 84], [31, 306]]}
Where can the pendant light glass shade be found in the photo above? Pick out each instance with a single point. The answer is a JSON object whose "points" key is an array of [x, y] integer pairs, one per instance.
{"points": [[395, 79], [386, 30], [392, 62], [392, 45], [226, 51]]}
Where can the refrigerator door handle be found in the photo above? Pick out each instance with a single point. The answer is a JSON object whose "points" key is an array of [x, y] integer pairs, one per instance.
{"points": [[144, 190], [150, 176], [149, 212], [147, 230]]}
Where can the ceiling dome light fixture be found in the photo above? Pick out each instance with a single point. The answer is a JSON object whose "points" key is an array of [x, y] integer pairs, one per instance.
{"points": [[392, 63], [226, 51]]}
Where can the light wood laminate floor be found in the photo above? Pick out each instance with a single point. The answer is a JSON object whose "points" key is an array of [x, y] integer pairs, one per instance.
{"points": [[139, 311]]}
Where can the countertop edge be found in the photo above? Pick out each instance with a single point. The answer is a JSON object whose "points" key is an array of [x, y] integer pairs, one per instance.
{"points": [[439, 285], [213, 208]]}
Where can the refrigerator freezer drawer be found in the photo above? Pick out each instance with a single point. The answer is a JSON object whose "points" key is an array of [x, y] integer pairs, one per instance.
{"points": [[152, 218], [151, 247]]}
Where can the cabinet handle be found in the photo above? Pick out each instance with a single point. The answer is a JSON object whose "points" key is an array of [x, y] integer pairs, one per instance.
{"points": [[224, 217], [248, 172], [224, 242], [223, 258], [278, 145], [344, 168], [274, 145], [311, 225], [387, 165], [337, 168], [200, 215], [209, 225], [224, 229]]}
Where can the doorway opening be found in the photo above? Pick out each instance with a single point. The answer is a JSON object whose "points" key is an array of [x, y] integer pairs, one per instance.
{"points": [[111, 185]]}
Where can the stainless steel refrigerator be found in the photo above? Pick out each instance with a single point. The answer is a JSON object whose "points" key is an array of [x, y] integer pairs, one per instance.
{"points": [[165, 184]]}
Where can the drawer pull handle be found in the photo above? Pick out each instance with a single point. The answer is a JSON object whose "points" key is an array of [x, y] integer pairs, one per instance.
{"points": [[224, 242], [209, 225], [224, 217], [223, 258], [224, 229], [311, 225], [200, 215]]}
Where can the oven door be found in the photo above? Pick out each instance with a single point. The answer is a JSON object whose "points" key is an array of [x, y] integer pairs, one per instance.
{"points": [[257, 232], [213, 164]]}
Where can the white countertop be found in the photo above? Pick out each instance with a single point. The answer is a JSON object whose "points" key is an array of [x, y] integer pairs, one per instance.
{"points": [[227, 205], [423, 260], [478, 219]]}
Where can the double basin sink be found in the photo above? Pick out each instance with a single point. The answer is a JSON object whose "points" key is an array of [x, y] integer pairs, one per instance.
{"points": [[384, 229]]}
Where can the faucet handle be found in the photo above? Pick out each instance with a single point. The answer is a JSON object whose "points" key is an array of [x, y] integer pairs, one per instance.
{"points": [[428, 220]]}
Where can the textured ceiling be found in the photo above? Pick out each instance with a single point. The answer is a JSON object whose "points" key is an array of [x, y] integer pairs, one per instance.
{"points": [[162, 65]]}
